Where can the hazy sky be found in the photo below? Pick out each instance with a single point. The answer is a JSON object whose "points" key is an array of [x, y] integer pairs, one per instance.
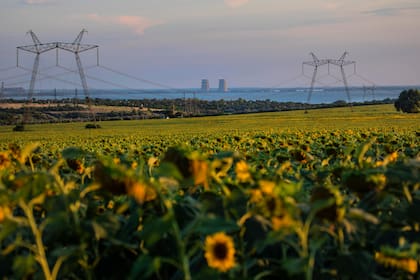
{"points": [[247, 42]]}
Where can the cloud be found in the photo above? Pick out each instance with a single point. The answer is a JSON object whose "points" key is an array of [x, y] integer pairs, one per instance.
{"points": [[236, 3], [37, 2], [137, 24], [391, 11]]}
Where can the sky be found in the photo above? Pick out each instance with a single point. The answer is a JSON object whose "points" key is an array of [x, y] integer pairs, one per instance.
{"points": [[177, 43]]}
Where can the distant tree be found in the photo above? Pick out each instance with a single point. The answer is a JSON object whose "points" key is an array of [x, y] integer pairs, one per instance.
{"points": [[408, 101]]}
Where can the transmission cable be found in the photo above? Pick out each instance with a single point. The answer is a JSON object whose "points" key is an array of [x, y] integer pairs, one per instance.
{"points": [[138, 79], [287, 81], [45, 76], [7, 69]]}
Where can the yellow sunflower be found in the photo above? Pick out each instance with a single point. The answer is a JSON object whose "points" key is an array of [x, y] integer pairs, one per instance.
{"points": [[4, 213], [407, 264], [4, 160], [284, 222], [220, 251], [242, 171], [141, 192]]}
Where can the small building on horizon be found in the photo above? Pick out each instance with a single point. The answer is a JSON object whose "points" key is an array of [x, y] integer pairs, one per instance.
{"points": [[223, 85], [205, 85]]}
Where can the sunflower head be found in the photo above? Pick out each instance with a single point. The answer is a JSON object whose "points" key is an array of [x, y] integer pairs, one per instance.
{"points": [[4, 160], [140, 191], [220, 251], [333, 213], [4, 213], [406, 264], [242, 172], [361, 183], [282, 222]]}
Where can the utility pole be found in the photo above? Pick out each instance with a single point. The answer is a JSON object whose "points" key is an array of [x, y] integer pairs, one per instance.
{"points": [[76, 47], [2, 90], [39, 48], [75, 98], [316, 63]]}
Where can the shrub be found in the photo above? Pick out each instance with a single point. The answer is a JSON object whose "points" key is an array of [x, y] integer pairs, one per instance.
{"points": [[19, 127], [92, 125], [408, 101]]}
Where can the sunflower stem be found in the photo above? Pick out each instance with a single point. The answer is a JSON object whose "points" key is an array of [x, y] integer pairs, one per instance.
{"points": [[181, 245], [41, 256]]}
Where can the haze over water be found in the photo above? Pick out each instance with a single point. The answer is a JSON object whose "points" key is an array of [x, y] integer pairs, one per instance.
{"points": [[319, 95]]}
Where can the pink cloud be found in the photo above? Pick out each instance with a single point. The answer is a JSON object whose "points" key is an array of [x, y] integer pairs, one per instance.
{"points": [[137, 24], [95, 17], [235, 3], [37, 2]]}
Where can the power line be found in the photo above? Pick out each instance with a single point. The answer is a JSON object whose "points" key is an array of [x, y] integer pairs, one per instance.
{"points": [[116, 84], [7, 69], [14, 77], [316, 63], [138, 79], [287, 81], [53, 77]]}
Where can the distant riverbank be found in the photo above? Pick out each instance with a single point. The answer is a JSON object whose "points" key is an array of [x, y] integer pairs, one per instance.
{"points": [[294, 94], [73, 110]]}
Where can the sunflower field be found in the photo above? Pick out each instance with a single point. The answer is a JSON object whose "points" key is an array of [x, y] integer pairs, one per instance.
{"points": [[297, 204]]}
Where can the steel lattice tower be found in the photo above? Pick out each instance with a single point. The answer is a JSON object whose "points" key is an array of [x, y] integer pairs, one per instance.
{"points": [[316, 63], [39, 48]]}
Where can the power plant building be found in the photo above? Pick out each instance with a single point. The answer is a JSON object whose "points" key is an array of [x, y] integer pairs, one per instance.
{"points": [[205, 86], [222, 85]]}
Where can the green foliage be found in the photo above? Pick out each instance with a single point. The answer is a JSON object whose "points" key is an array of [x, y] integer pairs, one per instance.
{"points": [[19, 127], [298, 204], [92, 126], [408, 101]]}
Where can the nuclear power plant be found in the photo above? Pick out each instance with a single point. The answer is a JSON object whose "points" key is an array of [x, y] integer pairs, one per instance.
{"points": [[205, 85], [223, 85]]}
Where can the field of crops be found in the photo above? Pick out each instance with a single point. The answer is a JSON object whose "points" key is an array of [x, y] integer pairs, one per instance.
{"points": [[332, 194]]}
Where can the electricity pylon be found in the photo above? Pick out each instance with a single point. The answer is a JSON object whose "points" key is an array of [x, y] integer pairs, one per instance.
{"points": [[316, 63], [38, 48], [77, 48]]}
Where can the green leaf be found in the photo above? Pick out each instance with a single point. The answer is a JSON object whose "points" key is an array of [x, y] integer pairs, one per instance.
{"points": [[99, 230], [357, 265], [28, 150], [321, 204], [73, 153], [359, 214], [168, 169], [212, 203], [7, 228], [23, 266], [65, 251], [362, 150], [295, 266], [212, 225], [142, 268], [154, 229]]}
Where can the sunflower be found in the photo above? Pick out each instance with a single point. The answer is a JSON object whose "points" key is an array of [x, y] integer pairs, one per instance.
{"points": [[4, 213], [407, 264], [265, 189], [220, 251], [242, 172], [141, 192], [282, 222], [333, 213], [4, 160]]}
